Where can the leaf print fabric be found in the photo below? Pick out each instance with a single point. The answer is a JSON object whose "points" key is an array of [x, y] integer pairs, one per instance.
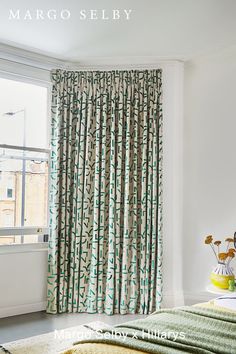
{"points": [[105, 244]]}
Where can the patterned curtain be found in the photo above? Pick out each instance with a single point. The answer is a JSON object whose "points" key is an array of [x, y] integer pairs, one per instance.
{"points": [[105, 244]]}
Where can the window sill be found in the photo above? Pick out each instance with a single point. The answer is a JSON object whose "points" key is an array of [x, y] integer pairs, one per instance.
{"points": [[24, 248]]}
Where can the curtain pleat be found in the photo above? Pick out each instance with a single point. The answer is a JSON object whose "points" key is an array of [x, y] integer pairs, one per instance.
{"points": [[105, 244]]}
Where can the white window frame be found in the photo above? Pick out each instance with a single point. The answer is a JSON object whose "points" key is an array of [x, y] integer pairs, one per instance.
{"points": [[25, 230]]}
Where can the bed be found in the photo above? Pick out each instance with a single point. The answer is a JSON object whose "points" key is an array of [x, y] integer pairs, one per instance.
{"points": [[204, 328]]}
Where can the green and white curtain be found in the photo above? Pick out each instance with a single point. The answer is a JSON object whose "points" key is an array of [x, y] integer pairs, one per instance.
{"points": [[105, 246]]}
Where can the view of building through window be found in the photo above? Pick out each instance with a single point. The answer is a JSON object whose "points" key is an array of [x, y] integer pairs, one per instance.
{"points": [[23, 162]]}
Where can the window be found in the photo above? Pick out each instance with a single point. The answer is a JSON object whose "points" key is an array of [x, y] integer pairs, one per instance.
{"points": [[24, 158], [9, 192]]}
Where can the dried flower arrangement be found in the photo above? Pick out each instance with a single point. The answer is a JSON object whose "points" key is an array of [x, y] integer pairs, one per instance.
{"points": [[223, 257], [222, 275]]}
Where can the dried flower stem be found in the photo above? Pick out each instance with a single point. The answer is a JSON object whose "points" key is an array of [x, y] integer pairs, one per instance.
{"points": [[213, 249], [227, 247]]}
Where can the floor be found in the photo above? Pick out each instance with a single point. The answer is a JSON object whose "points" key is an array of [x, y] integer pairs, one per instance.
{"points": [[22, 326]]}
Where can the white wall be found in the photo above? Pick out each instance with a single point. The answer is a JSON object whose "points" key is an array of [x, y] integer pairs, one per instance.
{"points": [[172, 184], [209, 162]]}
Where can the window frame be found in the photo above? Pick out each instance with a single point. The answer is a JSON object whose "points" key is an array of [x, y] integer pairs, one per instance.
{"points": [[37, 229]]}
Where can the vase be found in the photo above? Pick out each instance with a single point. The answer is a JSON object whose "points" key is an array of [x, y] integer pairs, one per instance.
{"points": [[221, 275]]}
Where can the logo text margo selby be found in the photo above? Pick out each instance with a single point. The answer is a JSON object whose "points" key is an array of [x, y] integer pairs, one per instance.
{"points": [[66, 14]]}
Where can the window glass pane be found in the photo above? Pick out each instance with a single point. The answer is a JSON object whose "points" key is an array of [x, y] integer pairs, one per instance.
{"points": [[11, 180], [23, 173], [18, 239], [36, 193], [27, 206], [23, 114], [8, 240]]}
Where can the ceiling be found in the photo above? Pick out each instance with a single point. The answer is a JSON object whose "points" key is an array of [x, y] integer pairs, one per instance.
{"points": [[168, 29]]}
